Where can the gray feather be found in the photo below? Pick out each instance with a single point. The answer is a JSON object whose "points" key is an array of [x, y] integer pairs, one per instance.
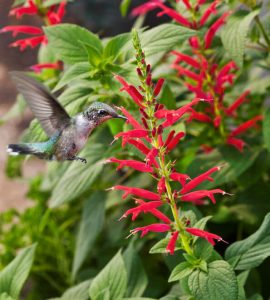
{"points": [[45, 107]]}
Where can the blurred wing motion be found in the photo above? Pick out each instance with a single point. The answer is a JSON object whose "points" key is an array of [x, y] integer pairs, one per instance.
{"points": [[43, 104]]}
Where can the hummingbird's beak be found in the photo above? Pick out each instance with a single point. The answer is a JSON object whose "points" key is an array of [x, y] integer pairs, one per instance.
{"points": [[121, 117]]}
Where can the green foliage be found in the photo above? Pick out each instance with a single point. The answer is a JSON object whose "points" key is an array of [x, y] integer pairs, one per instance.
{"points": [[13, 277]]}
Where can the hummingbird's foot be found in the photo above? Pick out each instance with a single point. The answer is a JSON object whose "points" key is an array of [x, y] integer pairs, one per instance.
{"points": [[83, 160]]}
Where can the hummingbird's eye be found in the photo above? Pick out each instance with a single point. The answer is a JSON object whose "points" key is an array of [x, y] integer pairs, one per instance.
{"points": [[102, 112]]}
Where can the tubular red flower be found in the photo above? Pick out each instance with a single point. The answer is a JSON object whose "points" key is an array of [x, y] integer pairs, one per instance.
{"points": [[158, 86], [187, 4], [187, 73], [137, 165], [144, 207], [56, 17], [153, 228], [243, 127], [210, 237], [131, 120], [21, 29], [210, 10], [135, 133], [194, 42], [241, 99], [213, 29], [145, 8], [169, 138], [171, 245], [187, 59], [200, 195], [139, 145], [181, 178], [237, 143], [199, 179], [137, 192], [161, 187], [29, 42], [39, 67], [151, 157], [194, 115], [175, 141], [30, 9], [217, 121], [131, 90]]}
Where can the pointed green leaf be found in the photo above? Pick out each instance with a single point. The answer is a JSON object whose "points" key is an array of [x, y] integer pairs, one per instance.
{"points": [[218, 283], [90, 226], [252, 251], [115, 45], [78, 176], [13, 277], [180, 271], [111, 282], [160, 246], [77, 71], [66, 41], [234, 34], [124, 6], [137, 279]]}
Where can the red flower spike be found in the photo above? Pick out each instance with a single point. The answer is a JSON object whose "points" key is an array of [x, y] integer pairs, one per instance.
{"points": [[139, 145], [144, 207], [187, 59], [39, 67], [131, 90], [199, 179], [131, 120], [181, 178], [22, 29], [175, 141], [137, 192], [237, 143], [152, 228], [171, 245], [30, 9], [241, 99], [158, 86], [210, 10], [200, 195], [161, 187], [245, 126], [29, 42], [213, 29], [134, 164]]}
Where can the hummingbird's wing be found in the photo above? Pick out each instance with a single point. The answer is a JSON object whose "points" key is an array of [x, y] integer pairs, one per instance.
{"points": [[43, 104]]}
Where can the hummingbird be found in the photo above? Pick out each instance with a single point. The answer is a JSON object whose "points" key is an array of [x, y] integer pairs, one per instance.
{"points": [[67, 135]]}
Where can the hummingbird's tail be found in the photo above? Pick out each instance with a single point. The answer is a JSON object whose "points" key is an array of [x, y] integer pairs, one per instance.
{"points": [[16, 149]]}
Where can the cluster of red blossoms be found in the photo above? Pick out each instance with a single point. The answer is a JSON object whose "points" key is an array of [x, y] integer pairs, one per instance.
{"points": [[148, 136], [202, 75], [50, 15]]}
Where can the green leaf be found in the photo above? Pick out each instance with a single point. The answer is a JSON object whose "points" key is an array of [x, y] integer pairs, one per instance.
{"points": [[124, 6], [5, 296], [90, 226], [111, 282], [203, 249], [95, 56], [79, 177], [66, 41], [180, 271], [252, 251], [114, 46], [77, 71], [16, 110], [78, 292], [137, 279], [266, 128], [234, 34], [218, 283], [138, 298], [13, 277], [167, 97], [160, 246]]}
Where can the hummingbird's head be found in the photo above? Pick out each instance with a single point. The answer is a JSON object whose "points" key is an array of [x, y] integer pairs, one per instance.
{"points": [[100, 112]]}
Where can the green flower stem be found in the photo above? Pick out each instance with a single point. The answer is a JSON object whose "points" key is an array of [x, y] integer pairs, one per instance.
{"points": [[260, 25]]}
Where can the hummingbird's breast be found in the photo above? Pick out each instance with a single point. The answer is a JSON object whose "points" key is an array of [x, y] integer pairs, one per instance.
{"points": [[73, 138]]}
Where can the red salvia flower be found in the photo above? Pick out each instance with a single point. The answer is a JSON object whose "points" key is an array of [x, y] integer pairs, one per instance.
{"points": [[152, 228], [237, 143], [22, 29], [202, 194], [181, 178], [29, 9], [238, 102], [171, 245], [29, 42], [131, 120], [134, 164], [210, 237], [136, 192], [39, 67], [245, 126]]}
